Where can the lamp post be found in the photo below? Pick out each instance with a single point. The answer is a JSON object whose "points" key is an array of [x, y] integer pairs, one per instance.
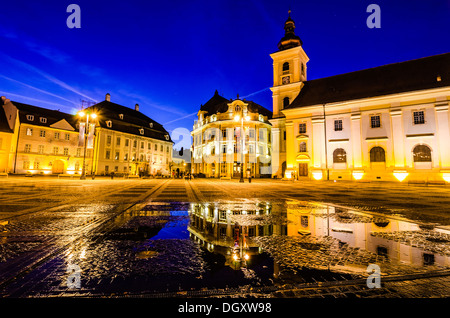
{"points": [[85, 115], [241, 118]]}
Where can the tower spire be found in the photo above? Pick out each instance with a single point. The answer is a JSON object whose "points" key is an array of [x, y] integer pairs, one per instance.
{"points": [[289, 40]]}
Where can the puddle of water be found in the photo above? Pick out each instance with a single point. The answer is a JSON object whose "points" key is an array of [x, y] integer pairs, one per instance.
{"points": [[173, 246]]}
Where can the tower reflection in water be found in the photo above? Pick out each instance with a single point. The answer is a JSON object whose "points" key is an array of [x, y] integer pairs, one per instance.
{"points": [[299, 235]]}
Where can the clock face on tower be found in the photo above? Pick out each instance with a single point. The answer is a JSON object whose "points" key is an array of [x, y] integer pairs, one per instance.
{"points": [[285, 80]]}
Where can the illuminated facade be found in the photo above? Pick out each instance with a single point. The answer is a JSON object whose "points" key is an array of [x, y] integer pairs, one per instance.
{"points": [[43, 141], [129, 142], [218, 149], [389, 123], [35, 140]]}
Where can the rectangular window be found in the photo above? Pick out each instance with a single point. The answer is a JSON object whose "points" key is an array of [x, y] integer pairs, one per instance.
{"points": [[125, 157], [41, 149], [149, 146], [26, 165], [106, 169], [42, 133], [142, 145], [29, 131], [108, 154], [118, 141], [156, 147], [126, 142], [78, 152], [161, 148], [108, 140], [419, 117], [134, 143], [66, 151], [55, 150], [338, 125], [224, 148], [56, 135], [67, 137], [28, 148], [375, 121], [36, 165], [116, 157], [302, 128]]}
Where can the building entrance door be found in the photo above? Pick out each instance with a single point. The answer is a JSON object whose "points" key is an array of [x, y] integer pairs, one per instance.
{"points": [[302, 169], [58, 167], [236, 170]]}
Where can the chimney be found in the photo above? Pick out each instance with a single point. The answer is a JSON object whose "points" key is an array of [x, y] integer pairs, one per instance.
{"points": [[136, 107], [108, 97]]}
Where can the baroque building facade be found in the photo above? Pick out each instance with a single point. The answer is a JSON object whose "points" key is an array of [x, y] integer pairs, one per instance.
{"points": [[388, 123], [219, 148], [35, 140]]}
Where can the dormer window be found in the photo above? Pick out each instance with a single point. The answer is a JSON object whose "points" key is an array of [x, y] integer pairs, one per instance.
{"points": [[261, 117], [151, 125], [121, 116], [108, 123], [141, 131], [43, 120], [167, 137], [30, 117]]}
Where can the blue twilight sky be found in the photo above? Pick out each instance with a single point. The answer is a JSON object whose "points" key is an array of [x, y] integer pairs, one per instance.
{"points": [[170, 56]]}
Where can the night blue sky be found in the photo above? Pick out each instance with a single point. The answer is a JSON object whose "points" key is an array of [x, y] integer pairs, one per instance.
{"points": [[170, 56]]}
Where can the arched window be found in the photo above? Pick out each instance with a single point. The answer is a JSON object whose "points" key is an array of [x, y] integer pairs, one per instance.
{"points": [[422, 153], [285, 102], [377, 154], [285, 66], [339, 156], [302, 147]]}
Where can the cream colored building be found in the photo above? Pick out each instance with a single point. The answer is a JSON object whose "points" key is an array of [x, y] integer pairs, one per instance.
{"points": [[129, 142], [43, 142], [218, 149], [35, 140], [389, 123]]}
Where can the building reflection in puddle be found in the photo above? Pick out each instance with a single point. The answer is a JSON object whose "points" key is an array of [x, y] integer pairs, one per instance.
{"points": [[301, 234], [229, 229]]}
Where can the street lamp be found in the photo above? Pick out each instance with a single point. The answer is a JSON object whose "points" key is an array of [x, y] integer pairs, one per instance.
{"points": [[85, 115], [241, 118]]}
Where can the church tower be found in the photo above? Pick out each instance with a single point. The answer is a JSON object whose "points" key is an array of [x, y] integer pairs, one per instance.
{"points": [[289, 73]]}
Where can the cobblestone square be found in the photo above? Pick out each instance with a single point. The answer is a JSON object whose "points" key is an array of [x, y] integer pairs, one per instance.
{"points": [[301, 237]]}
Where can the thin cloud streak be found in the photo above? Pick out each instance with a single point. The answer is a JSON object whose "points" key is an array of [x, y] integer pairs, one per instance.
{"points": [[47, 76], [187, 116], [38, 89], [34, 100], [256, 93]]}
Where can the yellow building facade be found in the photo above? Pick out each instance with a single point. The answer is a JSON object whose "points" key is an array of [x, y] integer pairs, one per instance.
{"points": [[39, 141], [43, 141], [389, 123]]}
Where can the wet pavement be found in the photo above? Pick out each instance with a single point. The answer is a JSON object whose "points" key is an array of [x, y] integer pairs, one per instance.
{"points": [[216, 238]]}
